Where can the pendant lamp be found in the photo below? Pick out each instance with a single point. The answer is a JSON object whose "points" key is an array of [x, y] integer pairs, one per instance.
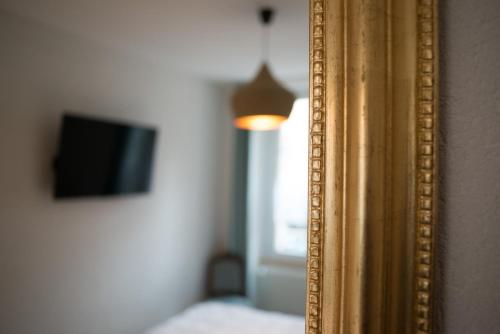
{"points": [[262, 104]]}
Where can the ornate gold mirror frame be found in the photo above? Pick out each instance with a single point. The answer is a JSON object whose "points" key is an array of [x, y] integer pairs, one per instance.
{"points": [[372, 170]]}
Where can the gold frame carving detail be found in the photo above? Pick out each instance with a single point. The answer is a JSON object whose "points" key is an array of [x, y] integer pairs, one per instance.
{"points": [[372, 166]]}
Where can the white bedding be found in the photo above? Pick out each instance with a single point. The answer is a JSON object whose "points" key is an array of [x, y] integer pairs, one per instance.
{"points": [[223, 318]]}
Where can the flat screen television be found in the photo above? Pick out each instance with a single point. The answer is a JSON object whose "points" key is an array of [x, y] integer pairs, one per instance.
{"points": [[101, 158]]}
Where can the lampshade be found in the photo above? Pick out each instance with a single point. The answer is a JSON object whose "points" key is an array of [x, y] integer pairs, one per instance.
{"points": [[262, 104]]}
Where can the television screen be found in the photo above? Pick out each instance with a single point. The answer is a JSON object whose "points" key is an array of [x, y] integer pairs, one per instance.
{"points": [[99, 157]]}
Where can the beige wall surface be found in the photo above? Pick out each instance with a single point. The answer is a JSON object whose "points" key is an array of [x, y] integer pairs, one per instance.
{"points": [[470, 167], [100, 265]]}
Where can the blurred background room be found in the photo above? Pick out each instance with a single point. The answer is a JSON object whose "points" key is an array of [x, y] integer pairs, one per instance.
{"points": [[141, 191]]}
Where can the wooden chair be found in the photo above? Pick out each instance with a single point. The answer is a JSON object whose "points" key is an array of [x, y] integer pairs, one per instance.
{"points": [[226, 276]]}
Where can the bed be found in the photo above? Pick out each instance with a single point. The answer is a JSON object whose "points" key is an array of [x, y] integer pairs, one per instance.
{"points": [[216, 317]]}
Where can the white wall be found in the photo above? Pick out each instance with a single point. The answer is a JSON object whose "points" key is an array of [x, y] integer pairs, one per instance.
{"points": [[470, 166], [281, 286], [100, 266]]}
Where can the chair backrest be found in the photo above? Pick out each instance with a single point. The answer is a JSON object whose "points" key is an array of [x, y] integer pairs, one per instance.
{"points": [[226, 276]]}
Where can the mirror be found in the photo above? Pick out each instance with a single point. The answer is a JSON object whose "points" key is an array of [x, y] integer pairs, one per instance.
{"points": [[212, 237], [373, 174]]}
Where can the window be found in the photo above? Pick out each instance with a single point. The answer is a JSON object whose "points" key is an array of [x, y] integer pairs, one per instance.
{"points": [[290, 188]]}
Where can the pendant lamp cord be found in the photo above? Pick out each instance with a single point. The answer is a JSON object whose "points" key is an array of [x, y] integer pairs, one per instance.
{"points": [[265, 44], [266, 16]]}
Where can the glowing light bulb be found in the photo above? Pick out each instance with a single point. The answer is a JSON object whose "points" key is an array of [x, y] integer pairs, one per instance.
{"points": [[259, 122]]}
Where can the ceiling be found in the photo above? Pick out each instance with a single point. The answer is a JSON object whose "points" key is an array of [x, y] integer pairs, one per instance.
{"points": [[216, 39]]}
